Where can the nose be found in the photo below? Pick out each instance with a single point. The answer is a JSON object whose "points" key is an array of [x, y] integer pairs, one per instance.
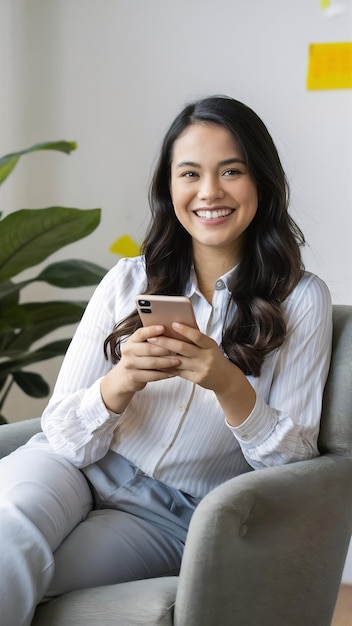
{"points": [[210, 189]]}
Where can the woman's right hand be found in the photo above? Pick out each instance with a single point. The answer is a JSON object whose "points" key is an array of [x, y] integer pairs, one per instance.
{"points": [[141, 363]]}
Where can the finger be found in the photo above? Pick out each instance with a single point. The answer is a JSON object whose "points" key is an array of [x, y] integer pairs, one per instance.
{"points": [[173, 346], [151, 349], [154, 363], [150, 376], [146, 332], [138, 344], [193, 338], [192, 334]]}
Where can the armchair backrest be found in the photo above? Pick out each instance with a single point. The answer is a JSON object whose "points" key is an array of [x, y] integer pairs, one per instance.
{"points": [[336, 422]]}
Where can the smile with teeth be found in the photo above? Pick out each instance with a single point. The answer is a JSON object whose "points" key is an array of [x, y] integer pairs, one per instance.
{"points": [[213, 215]]}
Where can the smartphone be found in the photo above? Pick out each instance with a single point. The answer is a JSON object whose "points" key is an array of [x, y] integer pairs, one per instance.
{"points": [[165, 310]]}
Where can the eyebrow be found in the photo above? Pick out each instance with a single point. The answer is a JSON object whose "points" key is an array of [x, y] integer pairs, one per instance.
{"points": [[221, 163]]}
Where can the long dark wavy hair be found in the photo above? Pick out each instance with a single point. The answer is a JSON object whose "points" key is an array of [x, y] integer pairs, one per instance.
{"points": [[271, 263]]}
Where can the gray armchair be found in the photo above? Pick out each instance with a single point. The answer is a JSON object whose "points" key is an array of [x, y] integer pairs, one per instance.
{"points": [[265, 548]]}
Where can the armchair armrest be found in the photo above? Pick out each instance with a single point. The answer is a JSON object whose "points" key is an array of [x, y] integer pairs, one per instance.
{"points": [[268, 547], [14, 435]]}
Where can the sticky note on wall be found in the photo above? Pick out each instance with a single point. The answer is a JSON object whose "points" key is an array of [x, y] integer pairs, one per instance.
{"points": [[330, 66], [125, 246]]}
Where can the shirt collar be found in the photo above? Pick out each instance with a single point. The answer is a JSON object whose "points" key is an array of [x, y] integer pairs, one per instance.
{"points": [[192, 284], [225, 280]]}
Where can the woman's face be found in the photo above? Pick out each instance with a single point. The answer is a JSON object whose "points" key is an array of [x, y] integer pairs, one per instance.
{"points": [[214, 196]]}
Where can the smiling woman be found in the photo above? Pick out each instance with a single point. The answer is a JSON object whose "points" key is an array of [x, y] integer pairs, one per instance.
{"points": [[214, 197], [263, 234], [159, 421]]}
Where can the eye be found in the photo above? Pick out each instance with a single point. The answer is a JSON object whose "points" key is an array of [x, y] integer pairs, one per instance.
{"points": [[189, 175], [232, 172]]}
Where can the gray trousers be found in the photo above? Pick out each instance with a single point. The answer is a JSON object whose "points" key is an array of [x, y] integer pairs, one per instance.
{"points": [[64, 529]]}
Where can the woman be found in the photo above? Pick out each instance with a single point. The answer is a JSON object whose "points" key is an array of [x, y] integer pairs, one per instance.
{"points": [[134, 439]]}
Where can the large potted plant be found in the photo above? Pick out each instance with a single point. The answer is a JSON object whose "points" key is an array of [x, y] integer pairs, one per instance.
{"points": [[28, 237]]}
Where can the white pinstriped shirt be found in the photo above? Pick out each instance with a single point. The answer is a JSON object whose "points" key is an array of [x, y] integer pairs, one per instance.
{"points": [[174, 430]]}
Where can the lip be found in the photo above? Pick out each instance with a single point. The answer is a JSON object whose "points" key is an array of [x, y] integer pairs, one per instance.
{"points": [[214, 220], [218, 207]]}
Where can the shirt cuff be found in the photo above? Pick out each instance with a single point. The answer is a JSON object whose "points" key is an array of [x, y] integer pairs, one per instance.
{"points": [[258, 426], [94, 410]]}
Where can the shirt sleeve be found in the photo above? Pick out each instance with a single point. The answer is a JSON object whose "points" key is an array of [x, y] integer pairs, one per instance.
{"points": [[76, 421], [284, 424]]}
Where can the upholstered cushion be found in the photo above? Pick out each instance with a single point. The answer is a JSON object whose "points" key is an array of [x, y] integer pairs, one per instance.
{"points": [[142, 602], [336, 423], [17, 434]]}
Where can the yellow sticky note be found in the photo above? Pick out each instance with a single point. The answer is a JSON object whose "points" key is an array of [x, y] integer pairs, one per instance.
{"points": [[125, 246], [330, 66]]}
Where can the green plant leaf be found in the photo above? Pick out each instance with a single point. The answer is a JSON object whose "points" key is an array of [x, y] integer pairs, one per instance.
{"points": [[49, 351], [3, 380], [9, 161], [14, 318], [8, 295], [65, 274], [7, 164], [72, 273], [31, 384], [9, 290], [8, 302], [34, 320], [29, 236]]}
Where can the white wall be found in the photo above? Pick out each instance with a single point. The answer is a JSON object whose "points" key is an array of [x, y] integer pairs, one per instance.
{"points": [[111, 75]]}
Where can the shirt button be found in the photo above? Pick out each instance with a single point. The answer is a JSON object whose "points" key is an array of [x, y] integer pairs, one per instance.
{"points": [[180, 408], [219, 284], [244, 436]]}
